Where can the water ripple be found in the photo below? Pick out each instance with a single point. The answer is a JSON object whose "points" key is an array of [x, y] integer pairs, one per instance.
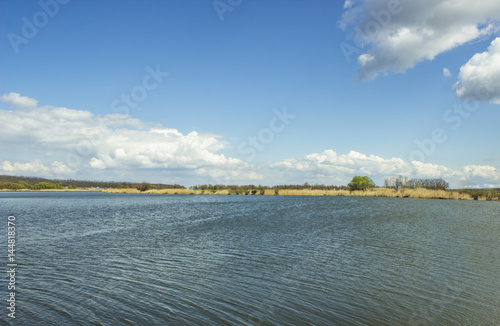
{"points": [[106, 259]]}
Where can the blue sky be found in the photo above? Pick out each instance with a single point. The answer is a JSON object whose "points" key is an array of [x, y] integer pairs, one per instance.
{"points": [[204, 78]]}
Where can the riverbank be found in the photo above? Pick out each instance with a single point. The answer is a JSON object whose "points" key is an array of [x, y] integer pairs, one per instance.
{"points": [[53, 190], [412, 188], [375, 192]]}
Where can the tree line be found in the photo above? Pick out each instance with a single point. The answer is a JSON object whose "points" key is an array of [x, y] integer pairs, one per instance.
{"points": [[357, 183], [306, 185], [38, 186], [404, 182], [21, 182]]}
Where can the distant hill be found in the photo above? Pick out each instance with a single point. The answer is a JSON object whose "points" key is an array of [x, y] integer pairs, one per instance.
{"points": [[85, 183]]}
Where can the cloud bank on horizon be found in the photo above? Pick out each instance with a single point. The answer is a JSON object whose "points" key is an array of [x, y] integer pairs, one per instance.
{"points": [[70, 143], [396, 35], [81, 141], [329, 164]]}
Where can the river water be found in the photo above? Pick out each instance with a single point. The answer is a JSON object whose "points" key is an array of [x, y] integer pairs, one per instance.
{"points": [[89, 258]]}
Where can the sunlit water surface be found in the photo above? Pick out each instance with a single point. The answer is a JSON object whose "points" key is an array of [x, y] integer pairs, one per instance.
{"points": [[90, 258]]}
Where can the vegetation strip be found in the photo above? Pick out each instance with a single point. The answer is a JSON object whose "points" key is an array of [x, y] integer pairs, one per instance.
{"points": [[359, 186], [374, 192]]}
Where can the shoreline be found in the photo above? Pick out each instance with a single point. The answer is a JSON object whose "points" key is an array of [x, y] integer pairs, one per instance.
{"points": [[376, 192], [51, 190]]}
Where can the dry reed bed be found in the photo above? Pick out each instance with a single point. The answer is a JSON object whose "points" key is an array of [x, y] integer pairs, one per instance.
{"points": [[166, 191], [173, 191], [376, 192], [269, 192], [382, 192], [122, 191], [312, 192]]}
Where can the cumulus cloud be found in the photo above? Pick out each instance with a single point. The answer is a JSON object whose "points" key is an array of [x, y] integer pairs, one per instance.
{"points": [[330, 167], [330, 163], [397, 34], [55, 169], [19, 101], [30, 168], [83, 140], [481, 171], [446, 72], [470, 175], [479, 78], [67, 143]]}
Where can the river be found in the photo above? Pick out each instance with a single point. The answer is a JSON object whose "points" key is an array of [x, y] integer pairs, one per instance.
{"points": [[90, 258]]}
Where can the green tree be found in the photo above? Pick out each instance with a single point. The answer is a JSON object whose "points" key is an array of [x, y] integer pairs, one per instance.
{"points": [[11, 186], [360, 183], [44, 185], [25, 185], [144, 186]]}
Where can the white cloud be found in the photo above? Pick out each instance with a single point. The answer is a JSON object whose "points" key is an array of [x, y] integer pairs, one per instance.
{"points": [[66, 143], [479, 78], [35, 168], [348, 4], [31, 168], [482, 171], [19, 101], [59, 168], [446, 72], [470, 175], [429, 170], [330, 167], [85, 142], [400, 34]]}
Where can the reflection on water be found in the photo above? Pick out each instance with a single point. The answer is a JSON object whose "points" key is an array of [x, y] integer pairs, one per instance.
{"points": [[125, 259]]}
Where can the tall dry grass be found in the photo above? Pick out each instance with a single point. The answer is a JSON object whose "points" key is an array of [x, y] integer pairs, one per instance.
{"points": [[413, 193], [312, 192], [121, 191], [381, 192], [375, 192], [269, 192], [173, 191], [154, 191], [300, 192], [186, 192], [433, 194]]}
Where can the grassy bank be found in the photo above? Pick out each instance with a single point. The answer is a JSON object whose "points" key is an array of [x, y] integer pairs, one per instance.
{"points": [[375, 192], [407, 188], [166, 191], [383, 192], [52, 190]]}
